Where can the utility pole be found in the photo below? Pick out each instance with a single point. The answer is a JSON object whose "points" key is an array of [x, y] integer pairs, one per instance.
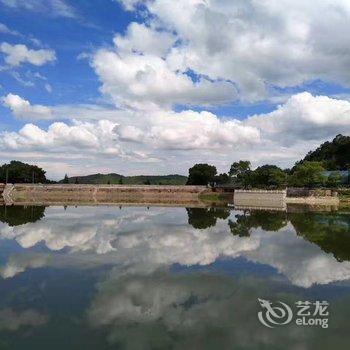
{"points": [[7, 176], [33, 177]]}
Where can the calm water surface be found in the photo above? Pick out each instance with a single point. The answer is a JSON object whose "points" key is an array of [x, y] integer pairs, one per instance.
{"points": [[169, 278]]}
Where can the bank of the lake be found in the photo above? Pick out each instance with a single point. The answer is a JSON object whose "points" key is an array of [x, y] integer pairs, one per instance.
{"points": [[152, 195]]}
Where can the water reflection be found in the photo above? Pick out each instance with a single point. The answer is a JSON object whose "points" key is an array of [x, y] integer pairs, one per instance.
{"points": [[168, 277], [19, 215], [202, 218]]}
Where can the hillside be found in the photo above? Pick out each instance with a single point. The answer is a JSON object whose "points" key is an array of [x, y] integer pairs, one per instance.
{"points": [[334, 154], [129, 180]]}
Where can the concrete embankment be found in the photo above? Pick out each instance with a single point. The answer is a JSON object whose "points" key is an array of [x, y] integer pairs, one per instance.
{"points": [[191, 196], [260, 199], [70, 194], [278, 200]]}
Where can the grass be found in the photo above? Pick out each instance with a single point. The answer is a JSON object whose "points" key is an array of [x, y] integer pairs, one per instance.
{"points": [[216, 198]]}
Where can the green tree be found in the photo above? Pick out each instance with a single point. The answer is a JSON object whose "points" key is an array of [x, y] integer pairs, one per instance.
{"points": [[120, 181], [201, 174], [19, 172], [222, 179], [334, 155], [307, 174], [240, 167], [268, 176], [334, 179], [241, 173]]}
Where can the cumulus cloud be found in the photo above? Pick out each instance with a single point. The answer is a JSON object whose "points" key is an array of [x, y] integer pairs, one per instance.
{"points": [[22, 109], [241, 41], [60, 137], [282, 136], [158, 130], [304, 117], [145, 81], [15, 55], [145, 40], [190, 130]]}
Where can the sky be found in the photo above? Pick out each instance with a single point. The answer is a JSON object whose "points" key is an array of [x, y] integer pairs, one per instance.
{"points": [[155, 86]]}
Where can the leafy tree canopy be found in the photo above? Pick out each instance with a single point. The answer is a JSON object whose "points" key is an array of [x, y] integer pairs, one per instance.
{"points": [[19, 172], [334, 155], [268, 176], [240, 167], [307, 174], [201, 174]]}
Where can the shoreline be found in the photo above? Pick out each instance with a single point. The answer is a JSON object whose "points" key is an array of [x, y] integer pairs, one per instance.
{"points": [[150, 195]]}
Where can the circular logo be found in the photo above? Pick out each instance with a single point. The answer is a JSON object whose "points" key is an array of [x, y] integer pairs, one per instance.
{"points": [[274, 314]]}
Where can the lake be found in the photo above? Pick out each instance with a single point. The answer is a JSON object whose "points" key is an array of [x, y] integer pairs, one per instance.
{"points": [[173, 278]]}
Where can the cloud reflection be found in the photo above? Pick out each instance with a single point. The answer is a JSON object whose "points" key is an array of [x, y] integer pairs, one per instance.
{"points": [[136, 240]]}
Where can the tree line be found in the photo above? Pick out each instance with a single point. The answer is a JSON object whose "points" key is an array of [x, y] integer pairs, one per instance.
{"points": [[18, 172], [333, 156], [241, 175]]}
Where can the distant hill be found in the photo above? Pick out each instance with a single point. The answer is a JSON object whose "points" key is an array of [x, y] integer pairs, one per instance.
{"points": [[334, 154], [129, 180]]}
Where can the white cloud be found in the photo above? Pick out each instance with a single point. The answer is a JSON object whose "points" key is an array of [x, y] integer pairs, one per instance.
{"points": [[22, 109], [18, 54], [149, 140], [95, 138], [145, 40], [304, 117], [145, 81], [256, 44], [281, 137], [6, 30], [190, 130], [56, 8]]}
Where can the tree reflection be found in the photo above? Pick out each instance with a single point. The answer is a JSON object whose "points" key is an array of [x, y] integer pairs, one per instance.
{"points": [[202, 218], [266, 220], [20, 215], [331, 231]]}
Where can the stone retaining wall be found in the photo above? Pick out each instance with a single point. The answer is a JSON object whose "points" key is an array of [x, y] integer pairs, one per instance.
{"points": [[104, 194], [306, 192], [260, 198]]}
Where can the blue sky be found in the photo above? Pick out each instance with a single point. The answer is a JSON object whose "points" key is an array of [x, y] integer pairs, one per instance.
{"points": [[155, 86], [71, 79]]}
